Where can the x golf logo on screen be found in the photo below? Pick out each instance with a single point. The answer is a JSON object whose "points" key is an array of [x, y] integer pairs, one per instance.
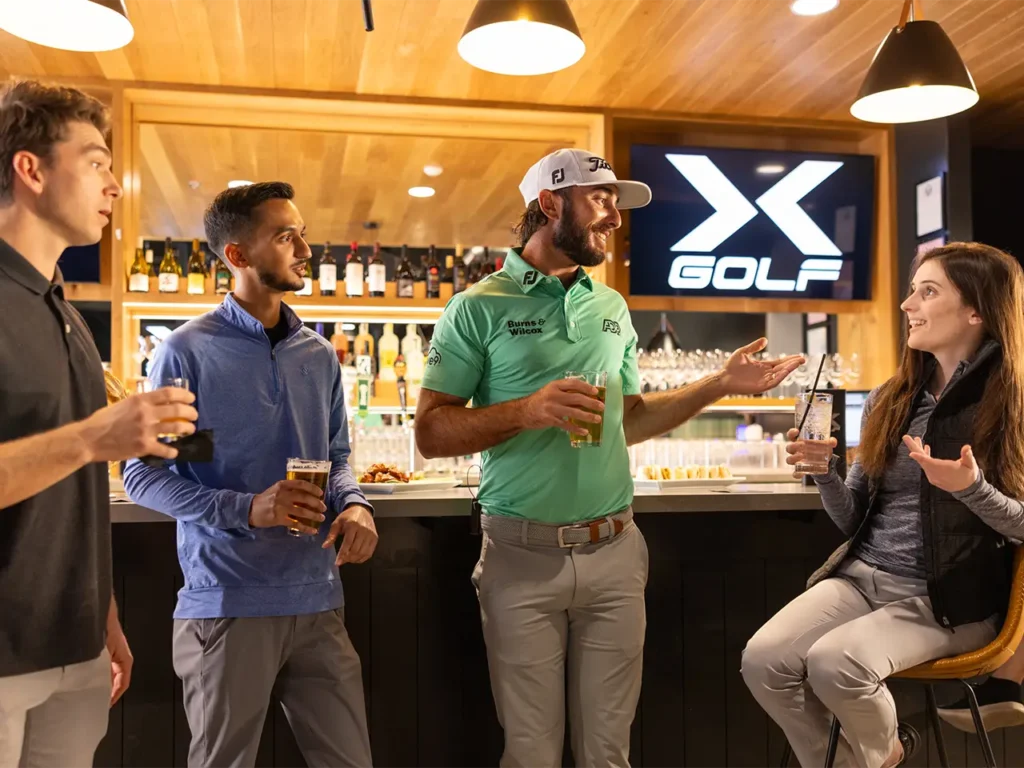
{"points": [[752, 223]]}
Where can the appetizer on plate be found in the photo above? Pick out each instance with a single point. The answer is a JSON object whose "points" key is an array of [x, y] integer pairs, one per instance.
{"points": [[384, 473], [691, 472]]}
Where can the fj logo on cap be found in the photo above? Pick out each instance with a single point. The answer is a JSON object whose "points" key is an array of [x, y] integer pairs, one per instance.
{"points": [[530, 278], [733, 211], [558, 176], [597, 163]]}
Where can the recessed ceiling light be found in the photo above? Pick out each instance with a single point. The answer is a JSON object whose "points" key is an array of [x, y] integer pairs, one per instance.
{"points": [[433, 169], [234, 183], [193, 184], [812, 7], [421, 191], [770, 168]]}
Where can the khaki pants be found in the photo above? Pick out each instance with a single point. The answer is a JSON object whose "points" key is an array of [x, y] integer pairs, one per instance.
{"points": [[830, 651], [55, 718], [546, 611], [231, 667]]}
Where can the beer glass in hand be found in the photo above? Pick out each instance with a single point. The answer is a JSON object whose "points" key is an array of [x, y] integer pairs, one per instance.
{"points": [[151, 385], [599, 380], [315, 473]]}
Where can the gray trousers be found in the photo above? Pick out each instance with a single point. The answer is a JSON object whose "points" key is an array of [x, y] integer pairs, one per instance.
{"points": [[55, 718], [546, 611], [830, 651], [231, 667]]}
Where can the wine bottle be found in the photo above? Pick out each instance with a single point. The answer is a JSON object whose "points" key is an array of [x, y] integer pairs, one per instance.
{"points": [[138, 280], [377, 273], [354, 273], [433, 274], [404, 278], [328, 272], [459, 277], [170, 270], [196, 271]]}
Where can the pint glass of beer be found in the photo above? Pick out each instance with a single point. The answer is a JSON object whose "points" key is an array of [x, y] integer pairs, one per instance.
{"points": [[314, 472], [151, 385], [592, 439]]}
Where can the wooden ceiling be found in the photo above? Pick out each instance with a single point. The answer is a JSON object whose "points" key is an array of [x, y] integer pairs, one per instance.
{"points": [[734, 57], [340, 182]]}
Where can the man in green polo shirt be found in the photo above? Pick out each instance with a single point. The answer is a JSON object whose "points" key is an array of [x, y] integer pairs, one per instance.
{"points": [[562, 568]]}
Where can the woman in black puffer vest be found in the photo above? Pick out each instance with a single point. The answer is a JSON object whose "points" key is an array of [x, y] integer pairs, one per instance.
{"points": [[929, 507]]}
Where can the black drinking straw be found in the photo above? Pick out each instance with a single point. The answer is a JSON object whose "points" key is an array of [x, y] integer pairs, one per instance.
{"points": [[810, 397]]}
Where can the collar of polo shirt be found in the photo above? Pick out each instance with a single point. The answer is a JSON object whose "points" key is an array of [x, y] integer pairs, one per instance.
{"points": [[528, 278]]}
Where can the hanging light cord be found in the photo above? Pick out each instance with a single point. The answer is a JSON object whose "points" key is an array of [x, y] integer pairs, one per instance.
{"points": [[911, 12], [368, 15]]}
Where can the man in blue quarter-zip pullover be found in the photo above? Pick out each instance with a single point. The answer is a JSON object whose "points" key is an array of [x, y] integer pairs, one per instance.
{"points": [[262, 610]]}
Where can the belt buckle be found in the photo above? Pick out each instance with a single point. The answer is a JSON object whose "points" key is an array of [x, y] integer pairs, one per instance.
{"points": [[560, 536]]}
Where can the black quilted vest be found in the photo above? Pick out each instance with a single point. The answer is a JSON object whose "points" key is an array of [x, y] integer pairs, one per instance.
{"points": [[968, 564]]}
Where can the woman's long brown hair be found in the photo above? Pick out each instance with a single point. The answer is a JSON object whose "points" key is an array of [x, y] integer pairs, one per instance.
{"points": [[991, 283]]}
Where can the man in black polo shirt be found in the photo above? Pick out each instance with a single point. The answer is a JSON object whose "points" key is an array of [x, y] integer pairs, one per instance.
{"points": [[63, 656]]}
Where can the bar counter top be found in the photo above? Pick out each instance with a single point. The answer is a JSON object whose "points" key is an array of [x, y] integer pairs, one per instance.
{"points": [[455, 502]]}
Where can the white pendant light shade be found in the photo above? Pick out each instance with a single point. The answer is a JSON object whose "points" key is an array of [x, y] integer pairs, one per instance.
{"points": [[521, 37], [71, 25]]}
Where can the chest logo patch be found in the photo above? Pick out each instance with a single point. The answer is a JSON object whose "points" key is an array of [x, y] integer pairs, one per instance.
{"points": [[610, 326], [525, 327]]}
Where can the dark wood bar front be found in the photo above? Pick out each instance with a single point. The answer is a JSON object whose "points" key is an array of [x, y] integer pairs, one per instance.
{"points": [[716, 573]]}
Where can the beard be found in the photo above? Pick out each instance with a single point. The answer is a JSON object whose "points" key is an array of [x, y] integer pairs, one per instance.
{"points": [[573, 239], [277, 283]]}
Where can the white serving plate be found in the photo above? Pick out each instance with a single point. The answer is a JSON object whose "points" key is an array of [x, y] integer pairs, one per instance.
{"points": [[413, 486], [677, 485]]}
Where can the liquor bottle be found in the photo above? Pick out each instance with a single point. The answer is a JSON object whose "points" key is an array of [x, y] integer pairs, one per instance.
{"points": [[307, 279], [412, 351], [499, 263], [459, 277], [138, 280], [328, 272], [149, 261], [487, 268], [222, 278], [340, 343], [404, 279], [354, 274], [196, 271], [433, 274], [364, 341], [388, 347], [377, 273], [170, 270]]}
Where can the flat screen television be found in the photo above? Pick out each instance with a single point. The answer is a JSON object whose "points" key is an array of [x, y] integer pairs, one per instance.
{"points": [[744, 223]]}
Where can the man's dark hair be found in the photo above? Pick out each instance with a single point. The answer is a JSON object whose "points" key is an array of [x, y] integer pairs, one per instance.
{"points": [[34, 117], [231, 218], [534, 218]]}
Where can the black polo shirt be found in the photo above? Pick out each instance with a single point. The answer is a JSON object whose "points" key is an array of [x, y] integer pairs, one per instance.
{"points": [[55, 571]]}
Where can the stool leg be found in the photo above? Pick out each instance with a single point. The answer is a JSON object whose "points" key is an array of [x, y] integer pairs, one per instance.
{"points": [[787, 753], [833, 743], [933, 718], [979, 726]]}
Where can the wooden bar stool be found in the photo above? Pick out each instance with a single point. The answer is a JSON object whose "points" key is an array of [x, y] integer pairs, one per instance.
{"points": [[961, 669]]}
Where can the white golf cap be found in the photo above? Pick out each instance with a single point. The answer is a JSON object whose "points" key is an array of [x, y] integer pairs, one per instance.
{"points": [[580, 168]]}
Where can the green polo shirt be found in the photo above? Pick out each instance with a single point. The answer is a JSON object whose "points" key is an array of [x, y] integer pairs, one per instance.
{"points": [[508, 336]]}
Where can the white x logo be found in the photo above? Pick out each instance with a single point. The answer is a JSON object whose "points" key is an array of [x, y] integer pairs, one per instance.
{"points": [[733, 210]]}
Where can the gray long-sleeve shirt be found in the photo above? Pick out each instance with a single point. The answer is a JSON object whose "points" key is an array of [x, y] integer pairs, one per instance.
{"points": [[894, 542]]}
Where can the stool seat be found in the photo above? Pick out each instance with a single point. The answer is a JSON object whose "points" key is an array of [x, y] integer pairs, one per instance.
{"points": [[987, 660]]}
